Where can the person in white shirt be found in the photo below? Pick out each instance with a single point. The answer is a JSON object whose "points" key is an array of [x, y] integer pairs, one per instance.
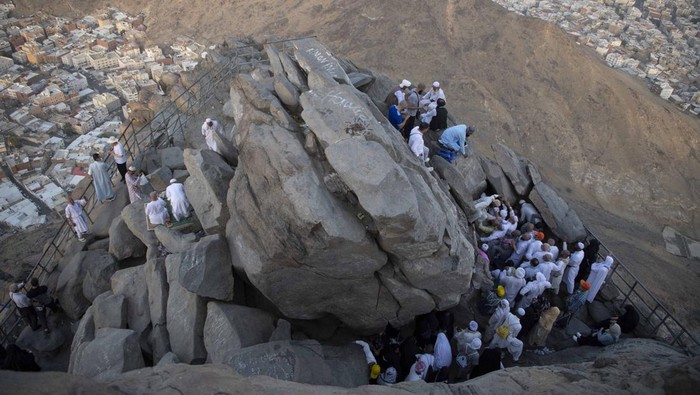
{"points": [[209, 128], [428, 115], [417, 144], [557, 273], [572, 269], [175, 192], [434, 94], [119, 154], [156, 211], [400, 93], [24, 305]]}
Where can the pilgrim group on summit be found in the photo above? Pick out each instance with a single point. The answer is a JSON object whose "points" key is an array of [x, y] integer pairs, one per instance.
{"points": [[529, 274]]}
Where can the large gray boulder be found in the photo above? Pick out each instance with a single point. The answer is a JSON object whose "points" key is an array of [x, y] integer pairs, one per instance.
{"points": [[556, 212], [314, 57], [110, 311], [230, 327], [172, 158], [226, 149], [291, 70], [304, 361], [69, 288], [111, 353], [205, 269], [498, 180], [287, 92], [458, 187], [134, 216], [160, 178], [360, 80], [311, 233], [186, 315], [173, 240], [84, 333], [206, 188], [131, 283], [472, 173], [123, 244], [514, 167], [40, 342], [100, 266]]}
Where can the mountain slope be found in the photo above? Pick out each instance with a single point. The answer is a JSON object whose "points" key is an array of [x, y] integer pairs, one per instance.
{"points": [[627, 159]]}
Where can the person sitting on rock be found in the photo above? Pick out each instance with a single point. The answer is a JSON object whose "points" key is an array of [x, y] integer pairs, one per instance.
{"points": [[428, 115], [435, 93], [439, 120], [601, 337], [157, 212], [628, 321], [453, 140], [417, 144], [395, 116]]}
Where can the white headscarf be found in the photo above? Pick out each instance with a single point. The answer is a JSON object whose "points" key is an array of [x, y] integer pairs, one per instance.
{"points": [[443, 352], [608, 261]]}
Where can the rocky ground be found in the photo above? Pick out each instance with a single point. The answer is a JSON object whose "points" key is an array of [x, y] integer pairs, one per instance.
{"points": [[624, 157]]}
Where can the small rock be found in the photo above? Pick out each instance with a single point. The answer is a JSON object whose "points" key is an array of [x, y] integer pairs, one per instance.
{"points": [[283, 331], [603, 362]]}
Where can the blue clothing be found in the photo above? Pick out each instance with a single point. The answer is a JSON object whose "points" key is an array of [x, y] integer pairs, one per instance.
{"points": [[395, 116], [454, 138]]}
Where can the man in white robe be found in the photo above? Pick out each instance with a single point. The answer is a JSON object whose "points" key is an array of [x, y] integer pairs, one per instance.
{"points": [[175, 192], [532, 290], [76, 217], [599, 272], [435, 93], [209, 128], [572, 269], [417, 144], [510, 342], [156, 211], [99, 171], [558, 271], [512, 283], [133, 184], [497, 319]]}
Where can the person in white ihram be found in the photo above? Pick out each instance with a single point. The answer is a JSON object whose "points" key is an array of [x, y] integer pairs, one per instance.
{"points": [[76, 217], [434, 94], [175, 192], [209, 127], [157, 212]]}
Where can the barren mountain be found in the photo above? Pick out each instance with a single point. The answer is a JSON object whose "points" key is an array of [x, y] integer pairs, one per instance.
{"points": [[626, 159]]}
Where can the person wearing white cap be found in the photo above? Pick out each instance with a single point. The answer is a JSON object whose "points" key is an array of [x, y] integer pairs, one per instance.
{"points": [[133, 184], [497, 319], [400, 93], [157, 211], [412, 106], [507, 333], [76, 216], [209, 127], [466, 336], [599, 271], [434, 94], [119, 154], [513, 281], [572, 268], [532, 290], [175, 192]]}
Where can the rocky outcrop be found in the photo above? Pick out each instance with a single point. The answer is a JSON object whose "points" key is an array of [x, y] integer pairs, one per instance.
{"points": [[123, 244], [205, 269], [112, 352], [131, 283], [206, 188], [556, 212], [99, 268], [186, 313], [311, 227], [110, 311], [229, 327]]}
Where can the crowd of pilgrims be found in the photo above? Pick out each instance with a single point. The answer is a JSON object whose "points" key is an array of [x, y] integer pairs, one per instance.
{"points": [[531, 273]]}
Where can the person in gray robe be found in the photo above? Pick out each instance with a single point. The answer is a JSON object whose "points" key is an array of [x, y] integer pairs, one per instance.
{"points": [[99, 171]]}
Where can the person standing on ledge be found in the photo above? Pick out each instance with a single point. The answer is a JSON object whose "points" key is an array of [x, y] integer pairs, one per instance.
{"points": [[119, 154], [133, 184], [76, 217], [99, 171], [209, 127]]}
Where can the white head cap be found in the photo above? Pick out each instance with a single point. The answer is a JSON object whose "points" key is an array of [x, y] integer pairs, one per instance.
{"points": [[520, 273], [473, 326], [540, 277], [484, 247], [521, 311], [172, 180], [207, 120], [580, 245], [112, 139], [405, 84], [475, 344], [132, 168], [436, 84]]}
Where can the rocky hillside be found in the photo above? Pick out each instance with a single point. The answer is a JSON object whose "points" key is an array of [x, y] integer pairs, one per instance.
{"points": [[631, 367], [626, 159]]}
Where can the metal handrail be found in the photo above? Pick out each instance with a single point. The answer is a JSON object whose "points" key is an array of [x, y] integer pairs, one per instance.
{"points": [[46, 264], [656, 310]]}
